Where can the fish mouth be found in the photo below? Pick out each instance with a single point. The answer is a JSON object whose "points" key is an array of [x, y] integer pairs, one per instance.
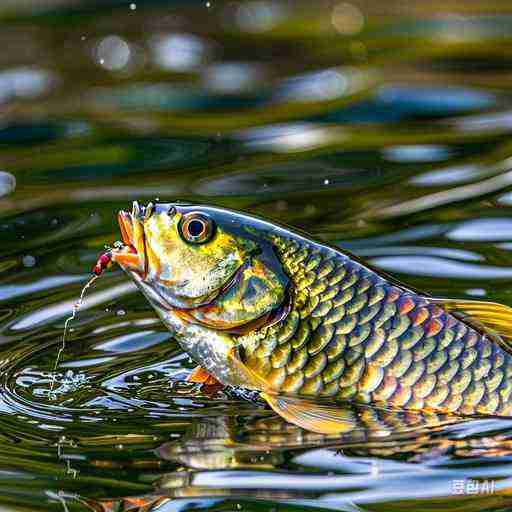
{"points": [[132, 255]]}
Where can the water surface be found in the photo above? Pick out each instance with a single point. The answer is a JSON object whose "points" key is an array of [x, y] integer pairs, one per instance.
{"points": [[384, 129]]}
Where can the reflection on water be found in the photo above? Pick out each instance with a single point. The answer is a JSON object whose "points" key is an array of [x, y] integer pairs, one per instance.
{"points": [[383, 128]]}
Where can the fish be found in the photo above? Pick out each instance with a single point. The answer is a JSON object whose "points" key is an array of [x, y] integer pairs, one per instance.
{"points": [[266, 307]]}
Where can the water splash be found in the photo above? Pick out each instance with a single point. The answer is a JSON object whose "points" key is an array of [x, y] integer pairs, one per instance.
{"points": [[74, 311]]}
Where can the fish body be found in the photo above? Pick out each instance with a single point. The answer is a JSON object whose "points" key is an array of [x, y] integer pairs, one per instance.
{"points": [[262, 306], [354, 335]]}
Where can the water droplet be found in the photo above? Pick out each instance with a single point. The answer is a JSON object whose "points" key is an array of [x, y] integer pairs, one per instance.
{"points": [[113, 53], [347, 19], [28, 260]]}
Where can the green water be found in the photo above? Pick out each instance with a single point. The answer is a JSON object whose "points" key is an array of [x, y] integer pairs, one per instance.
{"points": [[383, 127]]}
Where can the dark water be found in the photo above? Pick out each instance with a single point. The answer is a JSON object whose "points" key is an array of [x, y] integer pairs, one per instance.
{"points": [[384, 127]]}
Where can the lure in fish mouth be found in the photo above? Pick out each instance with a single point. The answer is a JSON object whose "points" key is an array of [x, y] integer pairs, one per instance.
{"points": [[265, 307]]}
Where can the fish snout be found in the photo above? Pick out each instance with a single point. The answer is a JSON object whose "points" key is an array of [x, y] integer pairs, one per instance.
{"points": [[132, 256]]}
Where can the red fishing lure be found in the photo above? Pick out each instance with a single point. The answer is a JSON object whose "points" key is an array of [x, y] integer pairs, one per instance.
{"points": [[104, 262]]}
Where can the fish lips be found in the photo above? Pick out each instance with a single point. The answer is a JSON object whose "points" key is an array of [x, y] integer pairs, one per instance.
{"points": [[132, 256]]}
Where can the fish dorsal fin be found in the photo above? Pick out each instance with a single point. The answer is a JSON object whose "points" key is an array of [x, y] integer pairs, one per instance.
{"points": [[319, 418], [486, 316]]}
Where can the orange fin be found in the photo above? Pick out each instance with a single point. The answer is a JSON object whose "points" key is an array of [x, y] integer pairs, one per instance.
{"points": [[319, 418], [489, 316], [201, 376]]}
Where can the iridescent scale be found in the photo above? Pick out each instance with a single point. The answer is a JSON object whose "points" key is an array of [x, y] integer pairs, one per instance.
{"points": [[353, 335]]}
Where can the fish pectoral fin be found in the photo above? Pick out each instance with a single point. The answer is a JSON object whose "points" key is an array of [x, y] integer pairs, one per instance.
{"points": [[319, 418], [489, 316], [201, 376]]}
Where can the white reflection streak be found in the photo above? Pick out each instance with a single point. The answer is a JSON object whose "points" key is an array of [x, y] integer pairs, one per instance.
{"points": [[300, 140], [7, 183], [119, 340], [259, 16], [416, 153], [330, 460], [443, 252], [433, 266], [453, 175], [47, 314], [18, 290], [310, 482], [490, 229], [138, 323], [439, 483], [323, 85], [369, 489], [448, 196], [485, 122], [291, 137], [178, 52], [24, 82], [268, 480], [232, 77]]}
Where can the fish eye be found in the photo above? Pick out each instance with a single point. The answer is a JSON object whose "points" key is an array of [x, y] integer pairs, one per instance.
{"points": [[196, 228]]}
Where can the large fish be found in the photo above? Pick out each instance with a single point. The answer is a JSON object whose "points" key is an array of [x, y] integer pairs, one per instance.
{"points": [[262, 306]]}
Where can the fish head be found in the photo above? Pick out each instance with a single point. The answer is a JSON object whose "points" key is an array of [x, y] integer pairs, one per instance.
{"points": [[215, 266]]}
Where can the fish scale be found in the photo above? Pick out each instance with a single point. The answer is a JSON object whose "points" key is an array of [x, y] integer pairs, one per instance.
{"points": [[353, 334]]}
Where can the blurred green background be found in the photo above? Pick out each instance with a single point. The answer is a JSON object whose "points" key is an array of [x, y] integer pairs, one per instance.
{"points": [[383, 127]]}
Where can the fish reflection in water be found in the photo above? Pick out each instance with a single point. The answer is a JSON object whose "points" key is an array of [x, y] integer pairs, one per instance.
{"points": [[367, 460], [259, 442]]}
